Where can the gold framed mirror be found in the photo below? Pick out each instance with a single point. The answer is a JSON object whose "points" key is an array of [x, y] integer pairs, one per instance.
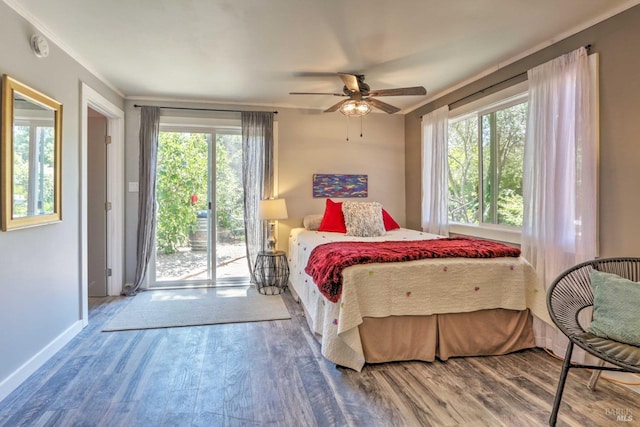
{"points": [[30, 156]]}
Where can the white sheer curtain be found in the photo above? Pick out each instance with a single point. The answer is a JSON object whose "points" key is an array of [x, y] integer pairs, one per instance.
{"points": [[560, 175], [435, 167]]}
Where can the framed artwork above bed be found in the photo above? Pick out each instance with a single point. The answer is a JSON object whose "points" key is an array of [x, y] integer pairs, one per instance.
{"points": [[340, 185]]}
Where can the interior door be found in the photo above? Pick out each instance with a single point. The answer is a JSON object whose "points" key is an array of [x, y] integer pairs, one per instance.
{"points": [[96, 200]]}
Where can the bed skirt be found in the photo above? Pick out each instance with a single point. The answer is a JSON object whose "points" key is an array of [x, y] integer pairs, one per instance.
{"points": [[478, 333]]}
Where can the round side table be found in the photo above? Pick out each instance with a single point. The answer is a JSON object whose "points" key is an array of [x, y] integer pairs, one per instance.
{"points": [[271, 272]]}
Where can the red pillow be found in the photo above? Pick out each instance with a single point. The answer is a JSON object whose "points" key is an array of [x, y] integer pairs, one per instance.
{"points": [[333, 219], [389, 222]]}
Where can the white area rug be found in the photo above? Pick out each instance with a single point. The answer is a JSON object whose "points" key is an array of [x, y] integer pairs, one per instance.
{"points": [[191, 307]]}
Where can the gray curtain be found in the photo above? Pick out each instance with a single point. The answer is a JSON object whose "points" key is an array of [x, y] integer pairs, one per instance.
{"points": [[257, 171], [149, 131]]}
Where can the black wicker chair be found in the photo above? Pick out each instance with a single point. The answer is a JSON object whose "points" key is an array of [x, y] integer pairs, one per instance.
{"points": [[569, 294]]}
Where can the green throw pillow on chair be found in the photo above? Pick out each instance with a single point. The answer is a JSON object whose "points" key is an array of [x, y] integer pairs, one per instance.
{"points": [[616, 308]]}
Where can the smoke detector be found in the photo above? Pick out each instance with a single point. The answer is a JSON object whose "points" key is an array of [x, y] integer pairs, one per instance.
{"points": [[40, 46]]}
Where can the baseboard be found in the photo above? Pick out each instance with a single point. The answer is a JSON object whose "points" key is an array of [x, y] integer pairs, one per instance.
{"points": [[17, 377]]}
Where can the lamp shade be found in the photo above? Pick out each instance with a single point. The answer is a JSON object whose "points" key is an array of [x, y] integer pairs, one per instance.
{"points": [[272, 209]]}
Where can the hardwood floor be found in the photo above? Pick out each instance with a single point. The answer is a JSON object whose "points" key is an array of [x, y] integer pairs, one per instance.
{"points": [[272, 374]]}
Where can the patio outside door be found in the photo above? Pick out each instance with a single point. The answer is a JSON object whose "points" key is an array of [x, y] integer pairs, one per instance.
{"points": [[200, 218]]}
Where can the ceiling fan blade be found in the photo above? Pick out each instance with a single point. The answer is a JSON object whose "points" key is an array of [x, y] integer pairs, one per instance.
{"points": [[317, 93], [415, 90], [387, 108], [315, 74], [335, 107], [350, 81]]}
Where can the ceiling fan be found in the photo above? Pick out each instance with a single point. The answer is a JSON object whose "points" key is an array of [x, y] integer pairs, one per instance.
{"points": [[361, 96]]}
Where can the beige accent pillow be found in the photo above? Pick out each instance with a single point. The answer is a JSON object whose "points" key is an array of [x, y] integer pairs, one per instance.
{"points": [[312, 222], [363, 219]]}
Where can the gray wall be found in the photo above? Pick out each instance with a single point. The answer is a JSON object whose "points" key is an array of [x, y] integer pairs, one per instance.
{"points": [[615, 40], [39, 267]]}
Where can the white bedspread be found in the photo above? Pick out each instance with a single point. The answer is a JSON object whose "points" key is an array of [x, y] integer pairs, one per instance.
{"points": [[423, 287]]}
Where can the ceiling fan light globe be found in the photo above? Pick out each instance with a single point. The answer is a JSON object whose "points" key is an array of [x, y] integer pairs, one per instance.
{"points": [[355, 108]]}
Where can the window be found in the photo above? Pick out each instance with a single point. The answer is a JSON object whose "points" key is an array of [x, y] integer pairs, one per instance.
{"points": [[33, 160], [486, 151]]}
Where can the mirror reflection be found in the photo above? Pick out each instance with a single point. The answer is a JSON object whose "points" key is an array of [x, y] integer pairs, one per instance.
{"points": [[33, 157], [30, 154]]}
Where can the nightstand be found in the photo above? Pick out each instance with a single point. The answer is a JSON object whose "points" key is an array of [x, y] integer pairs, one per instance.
{"points": [[271, 272]]}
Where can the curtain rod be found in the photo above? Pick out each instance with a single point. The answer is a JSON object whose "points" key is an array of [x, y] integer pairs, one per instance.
{"points": [[587, 47], [487, 88], [201, 109]]}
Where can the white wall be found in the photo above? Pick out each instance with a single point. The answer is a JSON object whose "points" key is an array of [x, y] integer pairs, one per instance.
{"points": [[308, 142], [315, 142], [40, 305]]}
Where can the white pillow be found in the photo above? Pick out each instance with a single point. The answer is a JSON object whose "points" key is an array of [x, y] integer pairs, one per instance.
{"points": [[312, 222], [363, 219]]}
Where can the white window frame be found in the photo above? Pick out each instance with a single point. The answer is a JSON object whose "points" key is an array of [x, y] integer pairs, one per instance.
{"points": [[211, 127], [496, 101], [32, 191]]}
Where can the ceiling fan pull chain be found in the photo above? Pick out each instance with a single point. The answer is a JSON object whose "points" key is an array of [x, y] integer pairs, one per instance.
{"points": [[347, 128], [361, 126]]}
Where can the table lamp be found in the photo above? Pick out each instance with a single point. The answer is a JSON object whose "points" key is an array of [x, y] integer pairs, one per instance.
{"points": [[272, 210]]}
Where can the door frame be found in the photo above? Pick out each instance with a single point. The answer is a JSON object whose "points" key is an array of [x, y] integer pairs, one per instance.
{"points": [[204, 125], [115, 194]]}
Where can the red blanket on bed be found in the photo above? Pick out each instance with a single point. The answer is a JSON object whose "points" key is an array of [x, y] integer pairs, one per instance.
{"points": [[327, 261]]}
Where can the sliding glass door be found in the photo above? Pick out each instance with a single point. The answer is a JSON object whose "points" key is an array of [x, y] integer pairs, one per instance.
{"points": [[200, 218], [231, 252]]}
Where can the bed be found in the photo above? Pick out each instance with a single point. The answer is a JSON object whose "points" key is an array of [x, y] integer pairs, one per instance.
{"points": [[417, 310]]}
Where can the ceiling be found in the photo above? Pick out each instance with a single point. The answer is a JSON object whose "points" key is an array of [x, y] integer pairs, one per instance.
{"points": [[255, 52]]}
